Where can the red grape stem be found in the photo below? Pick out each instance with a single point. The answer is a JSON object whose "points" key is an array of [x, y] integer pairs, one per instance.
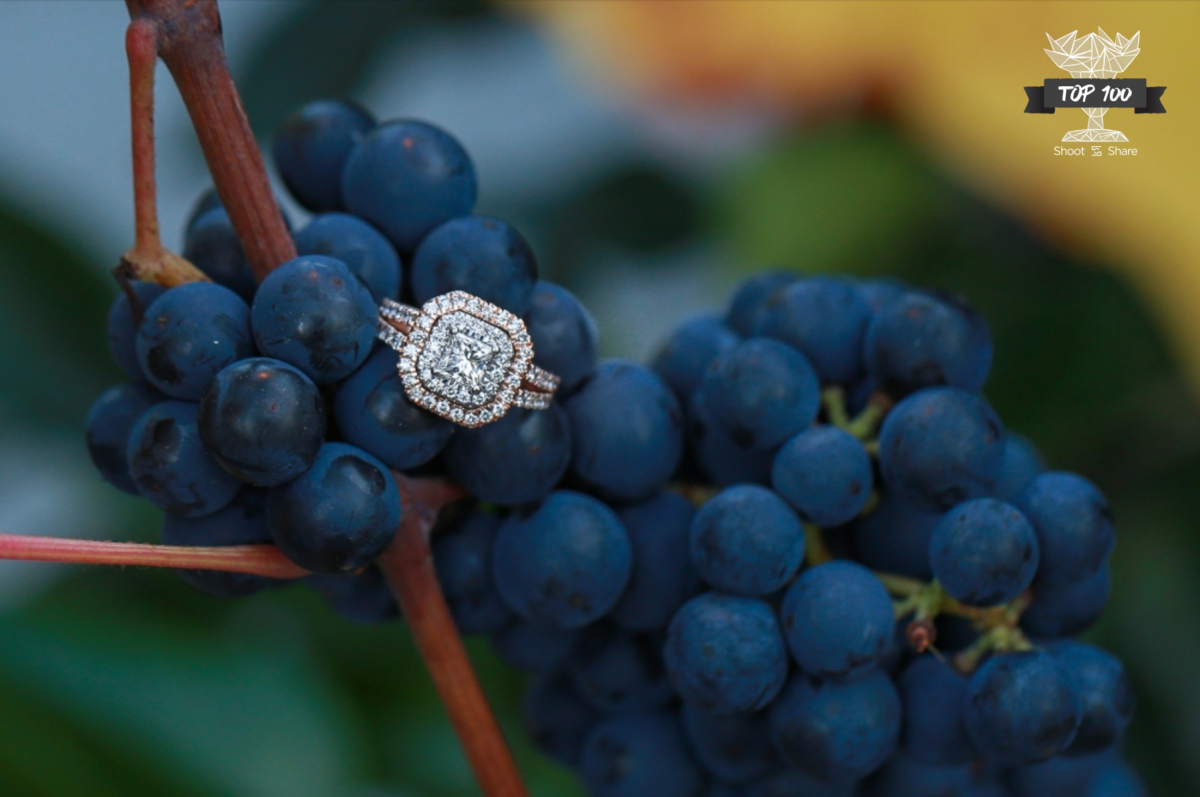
{"points": [[187, 36], [148, 260], [408, 565], [261, 560]]}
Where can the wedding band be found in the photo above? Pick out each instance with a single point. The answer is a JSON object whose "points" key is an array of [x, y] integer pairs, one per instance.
{"points": [[465, 359]]}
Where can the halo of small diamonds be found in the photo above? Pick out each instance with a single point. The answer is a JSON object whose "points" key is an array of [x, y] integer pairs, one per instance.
{"points": [[463, 358]]}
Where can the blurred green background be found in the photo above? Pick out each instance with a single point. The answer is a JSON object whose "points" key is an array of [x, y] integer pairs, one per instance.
{"points": [[124, 682]]}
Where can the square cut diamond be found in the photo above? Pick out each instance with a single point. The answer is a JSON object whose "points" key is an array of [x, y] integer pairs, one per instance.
{"points": [[465, 359]]}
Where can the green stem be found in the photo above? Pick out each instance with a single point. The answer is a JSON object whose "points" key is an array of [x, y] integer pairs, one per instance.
{"points": [[817, 552], [833, 399]]}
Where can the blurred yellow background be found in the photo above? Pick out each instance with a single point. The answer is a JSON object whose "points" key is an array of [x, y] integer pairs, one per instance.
{"points": [[951, 75]]}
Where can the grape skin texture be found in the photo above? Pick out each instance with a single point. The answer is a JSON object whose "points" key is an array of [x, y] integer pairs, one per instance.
{"points": [[190, 333], [565, 563], [941, 446], [263, 420], [564, 334], [1022, 708], [480, 255], [726, 653], [838, 620], [339, 514], [372, 412], [365, 251], [837, 731], [122, 331], [311, 149], [747, 541], [406, 178], [642, 756], [108, 426], [313, 313], [626, 431], [984, 552], [170, 465]]}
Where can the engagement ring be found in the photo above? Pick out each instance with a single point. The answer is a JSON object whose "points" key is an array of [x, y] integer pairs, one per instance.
{"points": [[465, 359]]}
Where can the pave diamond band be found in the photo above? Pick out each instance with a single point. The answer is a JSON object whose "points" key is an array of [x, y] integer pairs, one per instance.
{"points": [[465, 359]]}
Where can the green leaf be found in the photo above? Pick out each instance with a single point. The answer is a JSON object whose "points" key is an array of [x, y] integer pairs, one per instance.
{"points": [[209, 718], [53, 305]]}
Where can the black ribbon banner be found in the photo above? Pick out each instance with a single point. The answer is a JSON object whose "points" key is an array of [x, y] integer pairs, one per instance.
{"points": [[1094, 93]]}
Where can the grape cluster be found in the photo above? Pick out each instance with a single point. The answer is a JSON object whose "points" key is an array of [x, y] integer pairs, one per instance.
{"points": [[796, 556]]}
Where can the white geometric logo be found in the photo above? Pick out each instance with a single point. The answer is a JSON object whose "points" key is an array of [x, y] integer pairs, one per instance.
{"points": [[1094, 56]]}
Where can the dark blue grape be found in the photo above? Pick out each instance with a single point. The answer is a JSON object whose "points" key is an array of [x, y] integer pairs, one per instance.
{"points": [[717, 789], [122, 331], [564, 563], [207, 200], [616, 672], [339, 514], [1021, 708], [663, 575], [721, 458], [373, 412], [170, 465], [1060, 776], [1117, 779], [941, 446], [109, 422], [368, 254], [922, 340], [933, 730], [639, 756], [1106, 697], [747, 541], [263, 420], [564, 334], [825, 474], [1022, 464], [406, 178], [735, 748], [726, 653], [626, 430], [312, 147], [313, 313], [462, 554], [826, 319], [794, 783], [1070, 609], [557, 720], [213, 247], [692, 347], [894, 538], [189, 334], [534, 647], [836, 731], [837, 620], [762, 391], [480, 255], [242, 522], [515, 460], [363, 597], [878, 293], [1073, 524], [904, 776], [984, 552], [750, 298]]}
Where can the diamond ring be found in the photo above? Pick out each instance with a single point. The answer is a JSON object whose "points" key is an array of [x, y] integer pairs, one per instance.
{"points": [[465, 359]]}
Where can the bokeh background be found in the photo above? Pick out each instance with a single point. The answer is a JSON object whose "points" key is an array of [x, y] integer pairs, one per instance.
{"points": [[654, 153]]}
